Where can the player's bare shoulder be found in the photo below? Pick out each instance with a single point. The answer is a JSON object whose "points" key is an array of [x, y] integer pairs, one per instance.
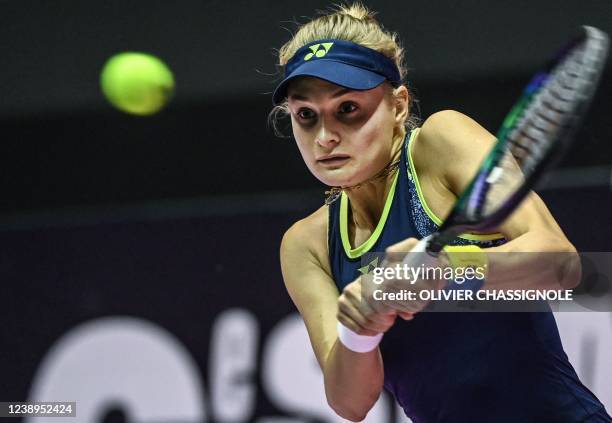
{"points": [[437, 136], [446, 132], [308, 238], [449, 148]]}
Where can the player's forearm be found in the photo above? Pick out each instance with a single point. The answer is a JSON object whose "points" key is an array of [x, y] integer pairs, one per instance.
{"points": [[534, 260], [353, 381]]}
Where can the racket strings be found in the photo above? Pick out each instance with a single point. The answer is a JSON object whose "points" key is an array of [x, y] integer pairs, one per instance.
{"points": [[536, 130], [549, 113], [505, 178], [546, 115]]}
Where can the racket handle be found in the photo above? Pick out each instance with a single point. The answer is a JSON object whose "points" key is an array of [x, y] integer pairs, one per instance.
{"points": [[421, 247], [437, 241], [428, 259]]}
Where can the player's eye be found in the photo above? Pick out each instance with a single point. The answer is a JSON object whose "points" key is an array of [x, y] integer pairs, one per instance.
{"points": [[305, 114], [347, 107], [344, 109]]}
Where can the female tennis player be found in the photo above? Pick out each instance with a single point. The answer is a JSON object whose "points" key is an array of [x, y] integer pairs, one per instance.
{"points": [[392, 181]]}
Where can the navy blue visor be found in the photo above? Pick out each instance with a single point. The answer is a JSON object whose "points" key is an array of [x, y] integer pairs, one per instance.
{"points": [[340, 62]]}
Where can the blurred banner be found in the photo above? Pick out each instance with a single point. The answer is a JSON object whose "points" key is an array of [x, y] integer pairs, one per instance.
{"points": [[183, 320]]}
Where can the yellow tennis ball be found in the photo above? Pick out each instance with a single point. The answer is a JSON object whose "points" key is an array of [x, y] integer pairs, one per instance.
{"points": [[137, 83]]}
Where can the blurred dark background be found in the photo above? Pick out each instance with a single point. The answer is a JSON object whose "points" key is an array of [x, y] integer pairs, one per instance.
{"points": [[64, 146]]}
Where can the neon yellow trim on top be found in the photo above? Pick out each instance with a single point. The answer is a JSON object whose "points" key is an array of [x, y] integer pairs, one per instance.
{"points": [[365, 247], [430, 213]]}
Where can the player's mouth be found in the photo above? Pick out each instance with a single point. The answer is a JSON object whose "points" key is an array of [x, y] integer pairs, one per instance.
{"points": [[333, 160]]}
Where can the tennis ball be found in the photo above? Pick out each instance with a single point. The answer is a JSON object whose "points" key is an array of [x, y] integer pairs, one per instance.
{"points": [[137, 83]]}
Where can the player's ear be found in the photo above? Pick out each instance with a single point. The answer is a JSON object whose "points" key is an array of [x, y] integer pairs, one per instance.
{"points": [[401, 98]]}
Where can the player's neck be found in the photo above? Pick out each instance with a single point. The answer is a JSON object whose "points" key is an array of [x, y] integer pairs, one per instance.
{"points": [[366, 203], [367, 200]]}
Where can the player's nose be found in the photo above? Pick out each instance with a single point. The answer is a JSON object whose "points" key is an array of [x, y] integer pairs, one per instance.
{"points": [[326, 137]]}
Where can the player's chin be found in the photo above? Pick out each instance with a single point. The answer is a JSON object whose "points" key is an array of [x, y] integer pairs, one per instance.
{"points": [[335, 177]]}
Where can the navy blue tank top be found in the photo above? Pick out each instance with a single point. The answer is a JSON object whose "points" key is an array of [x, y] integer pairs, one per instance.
{"points": [[462, 367]]}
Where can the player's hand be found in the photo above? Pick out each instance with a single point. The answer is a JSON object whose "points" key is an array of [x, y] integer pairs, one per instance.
{"points": [[397, 254], [357, 315]]}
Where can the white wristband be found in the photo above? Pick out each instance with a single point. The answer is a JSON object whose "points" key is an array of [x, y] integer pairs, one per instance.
{"points": [[356, 342]]}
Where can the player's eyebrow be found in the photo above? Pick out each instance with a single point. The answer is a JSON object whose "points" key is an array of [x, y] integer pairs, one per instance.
{"points": [[338, 93]]}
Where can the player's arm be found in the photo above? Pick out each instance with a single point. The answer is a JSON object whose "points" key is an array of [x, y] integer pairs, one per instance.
{"points": [[455, 145], [353, 381]]}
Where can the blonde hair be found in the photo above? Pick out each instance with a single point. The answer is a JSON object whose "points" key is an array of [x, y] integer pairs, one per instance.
{"points": [[355, 23]]}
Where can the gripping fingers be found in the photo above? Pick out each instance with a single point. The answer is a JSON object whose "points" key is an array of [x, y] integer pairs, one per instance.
{"points": [[362, 320], [350, 323]]}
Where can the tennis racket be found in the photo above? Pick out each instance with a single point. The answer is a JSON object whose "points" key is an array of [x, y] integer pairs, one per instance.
{"points": [[533, 136]]}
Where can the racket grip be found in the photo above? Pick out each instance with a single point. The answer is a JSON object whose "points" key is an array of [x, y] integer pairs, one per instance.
{"points": [[421, 247], [425, 258]]}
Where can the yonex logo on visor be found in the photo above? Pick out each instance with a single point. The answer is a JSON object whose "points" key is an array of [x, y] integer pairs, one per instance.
{"points": [[340, 62], [316, 51]]}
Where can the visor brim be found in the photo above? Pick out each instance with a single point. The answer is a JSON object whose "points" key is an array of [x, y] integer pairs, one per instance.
{"points": [[338, 73]]}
